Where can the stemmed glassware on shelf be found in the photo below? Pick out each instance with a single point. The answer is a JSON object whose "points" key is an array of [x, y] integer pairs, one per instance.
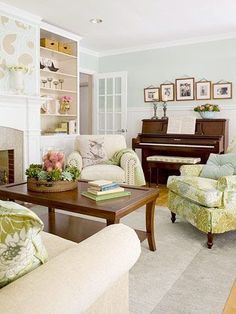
{"points": [[61, 81], [50, 79], [55, 83], [44, 81]]}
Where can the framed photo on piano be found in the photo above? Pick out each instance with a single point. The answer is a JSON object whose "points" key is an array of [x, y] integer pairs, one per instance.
{"points": [[151, 94], [184, 88], [203, 90]]}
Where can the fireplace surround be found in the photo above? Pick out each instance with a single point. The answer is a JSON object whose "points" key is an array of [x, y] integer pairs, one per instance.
{"points": [[11, 142], [20, 130], [7, 166]]}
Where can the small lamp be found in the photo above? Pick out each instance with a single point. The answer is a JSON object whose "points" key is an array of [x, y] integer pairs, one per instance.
{"points": [[164, 105]]}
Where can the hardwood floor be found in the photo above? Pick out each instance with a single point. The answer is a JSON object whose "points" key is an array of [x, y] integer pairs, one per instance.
{"points": [[163, 196], [162, 199]]}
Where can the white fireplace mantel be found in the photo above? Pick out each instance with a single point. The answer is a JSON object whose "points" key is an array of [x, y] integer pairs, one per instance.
{"points": [[22, 112]]}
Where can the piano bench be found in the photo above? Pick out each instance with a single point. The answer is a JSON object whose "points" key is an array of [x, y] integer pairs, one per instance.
{"points": [[168, 162]]}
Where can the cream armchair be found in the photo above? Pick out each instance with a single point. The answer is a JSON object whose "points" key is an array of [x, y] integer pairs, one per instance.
{"points": [[128, 170], [209, 205]]}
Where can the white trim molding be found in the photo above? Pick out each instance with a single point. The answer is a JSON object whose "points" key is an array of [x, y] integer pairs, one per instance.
{"points": [[89, 52], [20, 14], [59, 31], [160, 45], [149, 108], [87, 71]]}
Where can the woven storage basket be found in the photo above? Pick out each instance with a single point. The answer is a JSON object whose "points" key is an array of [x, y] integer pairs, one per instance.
{"points": [[45, 186]]}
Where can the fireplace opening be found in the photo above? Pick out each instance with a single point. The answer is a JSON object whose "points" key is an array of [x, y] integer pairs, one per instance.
{"points": [[6, 166]]}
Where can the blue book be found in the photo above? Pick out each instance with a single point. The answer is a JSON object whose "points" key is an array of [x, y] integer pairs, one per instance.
{"points": [[102, 185]]}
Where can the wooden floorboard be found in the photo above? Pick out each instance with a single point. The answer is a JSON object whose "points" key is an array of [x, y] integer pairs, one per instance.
{"points": [[163, 194]]}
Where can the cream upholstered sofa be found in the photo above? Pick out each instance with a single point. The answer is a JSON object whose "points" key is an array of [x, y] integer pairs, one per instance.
{"points": [[124, 173], [89, 277]]}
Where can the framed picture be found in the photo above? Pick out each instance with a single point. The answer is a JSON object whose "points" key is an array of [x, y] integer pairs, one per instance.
{"points": [[184, 88], [151, 94], [222, 90], [203, 90], [167, 92]]}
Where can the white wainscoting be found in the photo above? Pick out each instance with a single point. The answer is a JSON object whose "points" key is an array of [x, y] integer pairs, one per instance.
{"points": [[136, 114]]}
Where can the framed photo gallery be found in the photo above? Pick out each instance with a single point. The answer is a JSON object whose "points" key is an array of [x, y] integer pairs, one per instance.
{"points": [[186, 89]]}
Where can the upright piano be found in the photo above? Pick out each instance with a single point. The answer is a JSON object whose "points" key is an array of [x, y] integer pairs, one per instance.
{"points": [[211, 136]]}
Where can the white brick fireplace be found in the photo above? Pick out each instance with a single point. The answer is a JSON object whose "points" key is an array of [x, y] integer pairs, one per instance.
{"points": [[22, 113]]}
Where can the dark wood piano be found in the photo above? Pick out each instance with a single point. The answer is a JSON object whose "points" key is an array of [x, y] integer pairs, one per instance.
{"points": [[211, 136]]}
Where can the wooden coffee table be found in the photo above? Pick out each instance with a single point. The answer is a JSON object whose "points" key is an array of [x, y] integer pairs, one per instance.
{"points": [[72, 201]]}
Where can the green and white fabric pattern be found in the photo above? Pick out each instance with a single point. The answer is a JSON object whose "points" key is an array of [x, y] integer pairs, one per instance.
{"points": [[209, 205], [127, 158], [200, 190], [21, 248], [191, 170]]}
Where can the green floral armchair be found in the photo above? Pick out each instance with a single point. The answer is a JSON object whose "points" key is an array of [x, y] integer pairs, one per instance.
{"points": [[209, 205]]}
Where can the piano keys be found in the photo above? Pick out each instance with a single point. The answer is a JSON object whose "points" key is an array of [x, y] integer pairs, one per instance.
{"points": [[211, 136]]}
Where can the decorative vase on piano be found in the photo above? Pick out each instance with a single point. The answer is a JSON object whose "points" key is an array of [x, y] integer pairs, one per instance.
{"points": [[207, 111], [207, 114]]}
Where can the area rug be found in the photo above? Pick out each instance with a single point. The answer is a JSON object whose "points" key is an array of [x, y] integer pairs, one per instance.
{"points": [[182, 275]]}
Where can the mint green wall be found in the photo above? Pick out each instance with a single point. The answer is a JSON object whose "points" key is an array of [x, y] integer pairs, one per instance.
{"points": [[213, 60], [88, 61]]}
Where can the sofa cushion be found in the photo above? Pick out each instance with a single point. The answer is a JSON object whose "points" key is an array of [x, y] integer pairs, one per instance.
{"points": [[112, 142], [55, 245], [106, 172], [92, 150], [219, 165], [200, 190], [21, 248]]}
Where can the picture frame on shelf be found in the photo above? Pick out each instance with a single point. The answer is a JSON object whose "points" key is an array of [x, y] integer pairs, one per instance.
{"points": [[167, 91], [151, 94], [222, 90], [184, 88], [203, 90]]}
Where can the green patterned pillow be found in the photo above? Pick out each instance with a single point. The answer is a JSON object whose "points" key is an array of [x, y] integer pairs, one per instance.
{"points": [[21, 248]]}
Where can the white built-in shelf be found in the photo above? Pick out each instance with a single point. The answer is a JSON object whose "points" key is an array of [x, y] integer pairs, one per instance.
{"points": [[57, 115], [57, 73], [58, 53], [53, 90]]}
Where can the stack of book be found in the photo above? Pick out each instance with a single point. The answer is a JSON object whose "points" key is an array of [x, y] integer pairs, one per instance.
{"points": [[101, 190]]}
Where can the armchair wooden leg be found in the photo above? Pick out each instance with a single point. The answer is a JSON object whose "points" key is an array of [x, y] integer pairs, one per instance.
{"points": [[173, 217], [209, 240]]}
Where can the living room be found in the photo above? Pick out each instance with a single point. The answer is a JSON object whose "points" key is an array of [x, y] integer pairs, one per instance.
{"points": [[126, 100]]}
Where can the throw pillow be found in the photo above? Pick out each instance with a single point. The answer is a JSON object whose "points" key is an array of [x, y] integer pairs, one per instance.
{"points": [[92, 150], [219, 165], [216, 172], [21, 248]]}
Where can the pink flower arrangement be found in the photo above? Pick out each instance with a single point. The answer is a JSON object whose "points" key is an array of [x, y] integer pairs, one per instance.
{"points": [[53, 160], [65, 104], [66, 98]]}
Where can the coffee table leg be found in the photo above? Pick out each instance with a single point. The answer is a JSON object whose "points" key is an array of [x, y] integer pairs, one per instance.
{"points": [[150, 215], [112, 221], [51, 210]]}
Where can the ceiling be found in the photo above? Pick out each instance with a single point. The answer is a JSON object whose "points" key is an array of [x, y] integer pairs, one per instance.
{"points": [[135, 23]]}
